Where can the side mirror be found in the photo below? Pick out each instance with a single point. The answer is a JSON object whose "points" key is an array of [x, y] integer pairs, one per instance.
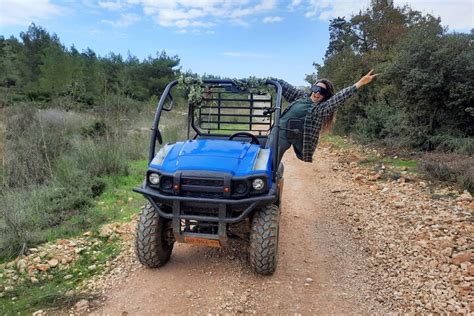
{"points": [[169, 103]]}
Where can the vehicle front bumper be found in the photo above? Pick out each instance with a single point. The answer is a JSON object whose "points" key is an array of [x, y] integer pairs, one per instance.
{"points": [[155, 197]]}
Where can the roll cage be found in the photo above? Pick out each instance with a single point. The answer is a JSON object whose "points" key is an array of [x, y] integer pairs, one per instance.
{"points": [[225, 110]]}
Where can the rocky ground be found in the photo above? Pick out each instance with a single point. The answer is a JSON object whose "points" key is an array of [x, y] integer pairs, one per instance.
{"points": [[354, 238]]}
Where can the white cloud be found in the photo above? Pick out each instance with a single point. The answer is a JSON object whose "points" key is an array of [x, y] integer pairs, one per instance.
{"points": [[195, 13], [23, 12], [294, 4], [272, 19], [112, 5], [457, 14], [125, 20], [245, 55]]}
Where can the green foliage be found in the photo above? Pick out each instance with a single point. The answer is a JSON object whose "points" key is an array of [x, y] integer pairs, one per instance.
{"points": [[195, 88], [424, 94], [40, 68], [380, 122]]}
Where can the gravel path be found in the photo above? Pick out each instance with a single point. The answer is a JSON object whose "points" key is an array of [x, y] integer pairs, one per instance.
{"points": [[349, 243]]}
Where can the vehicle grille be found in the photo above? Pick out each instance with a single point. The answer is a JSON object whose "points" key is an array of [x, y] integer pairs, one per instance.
{"points": [[203, 182], [202, 187]]}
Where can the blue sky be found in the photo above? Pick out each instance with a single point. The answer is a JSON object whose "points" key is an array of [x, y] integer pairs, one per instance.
{"points": [[232, 38]]}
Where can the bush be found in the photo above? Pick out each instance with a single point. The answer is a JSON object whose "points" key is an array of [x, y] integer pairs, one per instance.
{"points": [[449, 167], [34, 140], [102, 157], [446, 142], [18, 222], [381, 122]]}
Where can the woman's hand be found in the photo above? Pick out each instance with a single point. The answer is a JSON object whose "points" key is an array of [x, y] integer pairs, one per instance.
{"points": [[365, 79]]}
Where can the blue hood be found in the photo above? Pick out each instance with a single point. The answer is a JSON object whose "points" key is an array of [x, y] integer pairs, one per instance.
{"points": [[234, 157]]}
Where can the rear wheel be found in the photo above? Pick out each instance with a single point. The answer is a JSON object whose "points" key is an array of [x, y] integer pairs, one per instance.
{"points": [[154, 238], [263, 253]]}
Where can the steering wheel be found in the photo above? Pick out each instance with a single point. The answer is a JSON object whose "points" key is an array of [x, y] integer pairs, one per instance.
{"points": [[253, 137]]}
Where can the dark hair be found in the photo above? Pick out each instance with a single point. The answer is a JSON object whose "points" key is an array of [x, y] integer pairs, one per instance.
{"points": [[329, 87], [328, 124]]}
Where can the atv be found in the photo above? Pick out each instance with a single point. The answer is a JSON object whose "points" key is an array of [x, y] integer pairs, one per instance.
{"points": [[226, 174]]}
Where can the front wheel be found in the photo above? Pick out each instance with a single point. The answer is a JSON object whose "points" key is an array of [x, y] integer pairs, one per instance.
{"points": [[263, 252], [154, 238]]}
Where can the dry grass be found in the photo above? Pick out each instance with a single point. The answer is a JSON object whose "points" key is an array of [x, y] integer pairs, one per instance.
{"points": [[453, 168]]}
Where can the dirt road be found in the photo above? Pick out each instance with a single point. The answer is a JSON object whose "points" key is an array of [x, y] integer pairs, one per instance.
{"points": [[321, 268]]}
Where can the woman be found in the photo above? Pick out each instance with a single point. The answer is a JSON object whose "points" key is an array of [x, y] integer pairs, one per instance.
{"points": [[301, 123]]}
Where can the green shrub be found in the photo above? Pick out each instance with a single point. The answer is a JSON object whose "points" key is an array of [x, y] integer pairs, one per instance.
{"points": [[446, 142], [96, 129]]}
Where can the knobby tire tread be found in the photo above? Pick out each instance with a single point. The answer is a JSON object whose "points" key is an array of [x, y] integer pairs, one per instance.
{"points": [[152, 251], [263, 252]]}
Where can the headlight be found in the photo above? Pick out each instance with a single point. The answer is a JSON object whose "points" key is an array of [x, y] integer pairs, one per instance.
{"points": [[258, 184], [154, 178]]}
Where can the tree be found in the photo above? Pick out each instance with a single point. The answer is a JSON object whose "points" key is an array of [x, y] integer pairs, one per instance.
{"points": [[35, 42]]}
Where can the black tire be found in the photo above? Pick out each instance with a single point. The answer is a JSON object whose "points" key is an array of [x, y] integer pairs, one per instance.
{"points": [[153, 243], [263, 252]]}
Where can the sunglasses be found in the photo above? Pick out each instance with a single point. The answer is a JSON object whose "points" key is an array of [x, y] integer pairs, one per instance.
{"points": [[319, 89]]}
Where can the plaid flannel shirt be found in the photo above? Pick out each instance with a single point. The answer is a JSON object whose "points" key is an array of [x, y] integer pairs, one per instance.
{"points": [[315, 116]]}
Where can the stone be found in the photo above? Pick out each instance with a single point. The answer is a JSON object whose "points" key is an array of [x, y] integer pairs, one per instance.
{"points": [[53, 263], [448, 251], [375, 177], [385, 190], [39, 313], [106, 230], [399, 204], [68, 277], [461, 257], [62, 242], [21, 265], [471, 270], [36, 259], [308, 280], [87, 234], [92, 267], [34, 280], [81, 306], [465, 197], [43, 267], [188, 293]]}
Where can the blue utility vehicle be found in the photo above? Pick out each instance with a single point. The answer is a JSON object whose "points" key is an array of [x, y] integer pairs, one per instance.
{"points": [[223, 176]]}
